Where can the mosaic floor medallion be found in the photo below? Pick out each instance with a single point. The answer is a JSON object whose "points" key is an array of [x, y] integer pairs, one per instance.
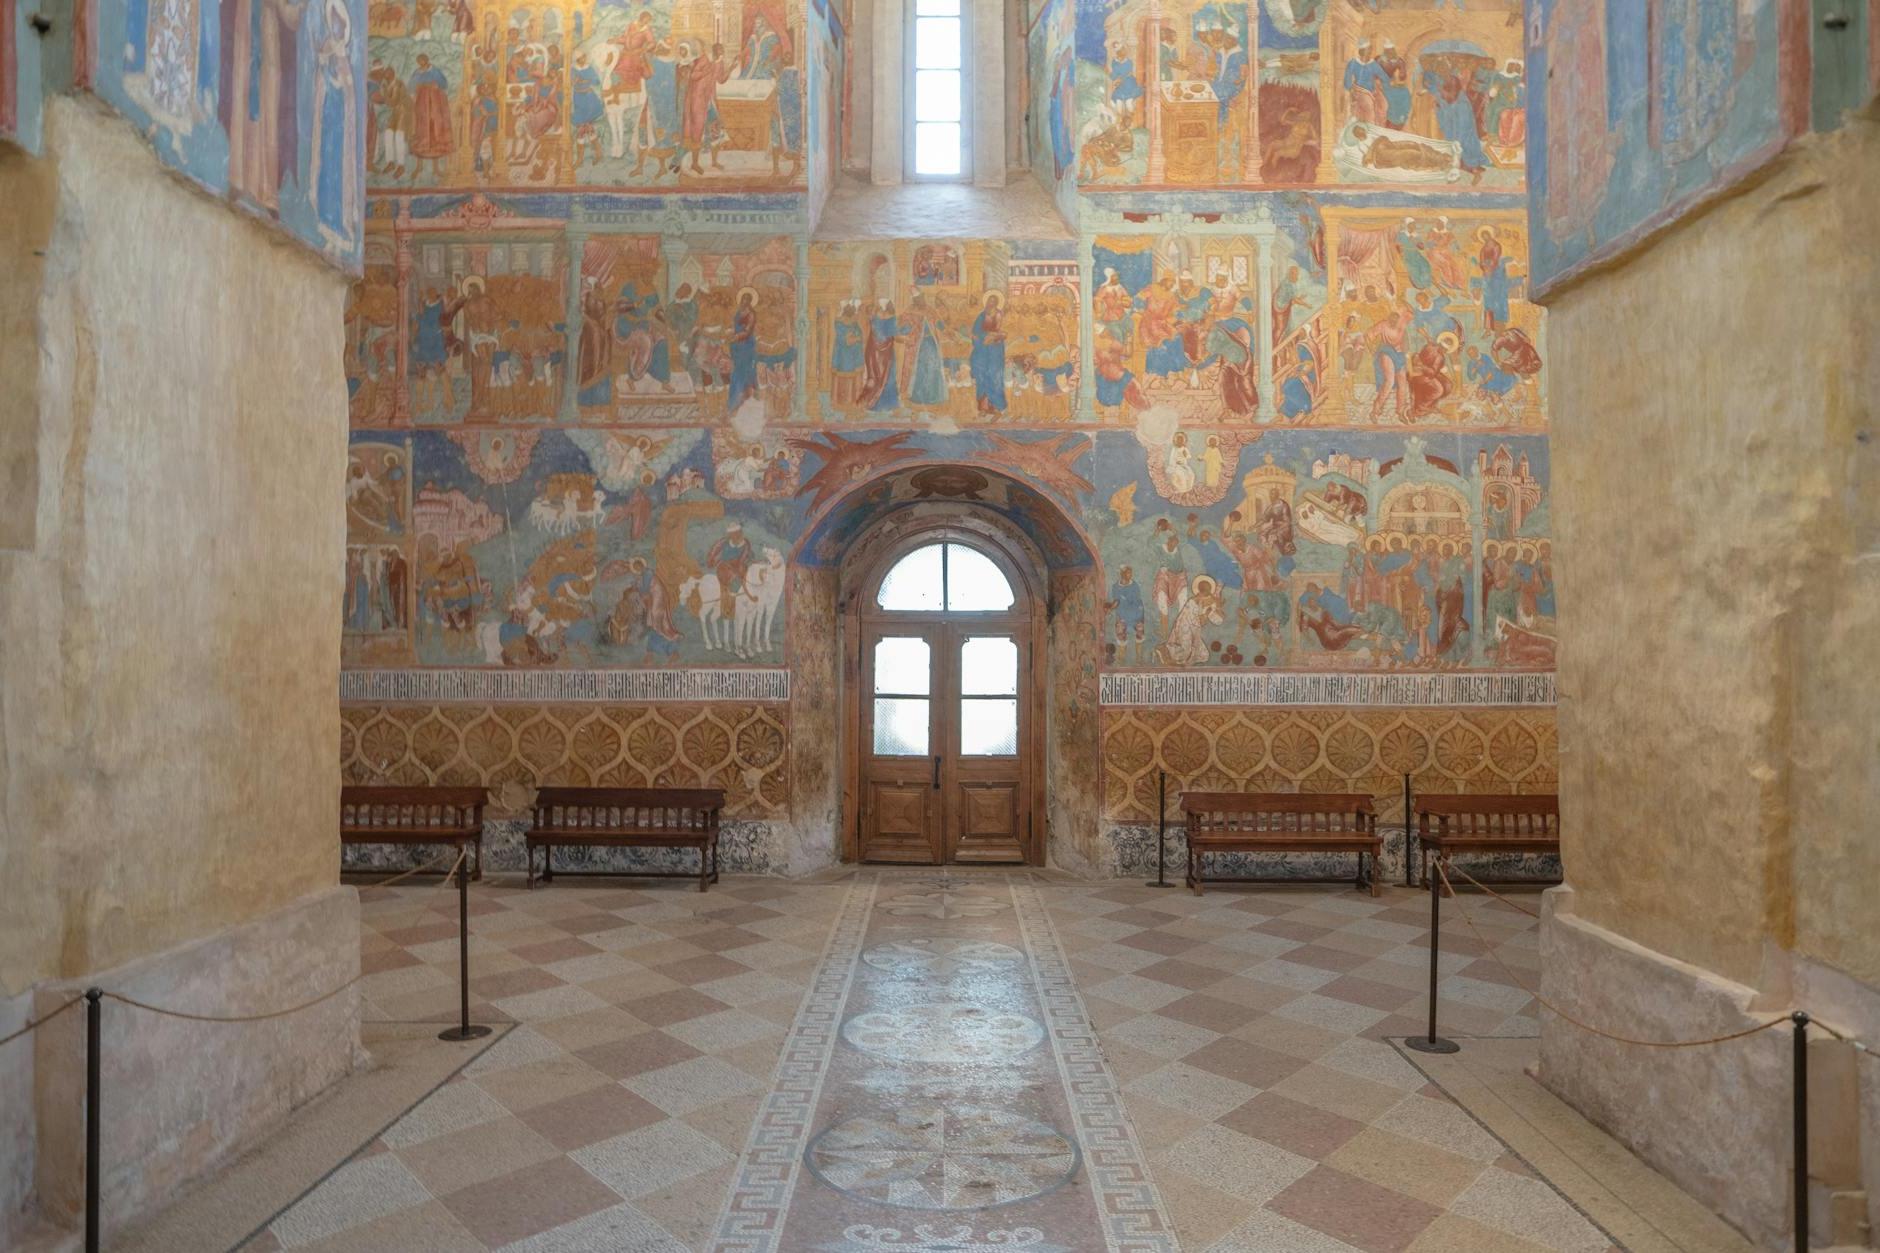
{"points": [[942, 958], [943, 1033], [931, 1157]]}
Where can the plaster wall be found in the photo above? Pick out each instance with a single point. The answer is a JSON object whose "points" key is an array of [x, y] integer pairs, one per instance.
{"points": [[176, 411], [1718, 751]]}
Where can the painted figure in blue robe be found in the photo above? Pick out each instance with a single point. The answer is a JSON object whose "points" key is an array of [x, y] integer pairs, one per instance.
{"points": [[429, 350], [1489, 377], [786, 127], [587, 111], [1295, 394], [1125, 86], [927, 386], [1496, 287], [333, 175], [743, 383], [1455, 118], [1059, 116], [1416, 262], [988, 357], [1396, 86]]}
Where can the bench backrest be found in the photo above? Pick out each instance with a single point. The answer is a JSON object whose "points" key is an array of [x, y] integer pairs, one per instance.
{"points": [[1534, 816], [380, 807], [628, 807], [1306, 812]]}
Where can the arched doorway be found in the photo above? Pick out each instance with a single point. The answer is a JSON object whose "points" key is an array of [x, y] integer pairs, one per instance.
{"points": [[946, 711]]}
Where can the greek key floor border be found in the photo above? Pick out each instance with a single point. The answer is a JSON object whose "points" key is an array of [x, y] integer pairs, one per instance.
{"points": [[1134, 1218], [753, 1217]]}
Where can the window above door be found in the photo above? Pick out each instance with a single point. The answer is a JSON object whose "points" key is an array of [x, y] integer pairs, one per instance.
{"points": [[945, 578]]}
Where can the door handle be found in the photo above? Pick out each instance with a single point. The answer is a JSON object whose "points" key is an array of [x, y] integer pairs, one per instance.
{"points": [[936, 774]]}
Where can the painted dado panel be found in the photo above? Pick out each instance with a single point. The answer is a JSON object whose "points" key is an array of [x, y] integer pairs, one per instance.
{"points": [[742, 748], [1322, 750]]}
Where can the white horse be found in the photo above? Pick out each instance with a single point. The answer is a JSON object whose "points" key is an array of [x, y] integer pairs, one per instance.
{"points": [[753, 610]]}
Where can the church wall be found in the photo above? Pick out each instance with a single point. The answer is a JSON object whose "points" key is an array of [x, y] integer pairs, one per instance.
{"points": [[1716, 726], [550, 443], [166, 711]]}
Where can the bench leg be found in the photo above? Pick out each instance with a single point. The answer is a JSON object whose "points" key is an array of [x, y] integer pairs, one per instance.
{"points": [[478, 876], [548, 863], [1194, 870], [704, 865]]}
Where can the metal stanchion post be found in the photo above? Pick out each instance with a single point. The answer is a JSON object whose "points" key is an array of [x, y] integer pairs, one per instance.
{"points": [[465, 1029], [94, 1066], [1800, 1019], [1161, 831], [1408, 805], [1434, 1043]]}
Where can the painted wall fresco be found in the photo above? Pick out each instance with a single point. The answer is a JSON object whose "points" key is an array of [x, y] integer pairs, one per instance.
{"points": [[261, 101], [1196, 94], [1650, 105], [532, 94], [1275, 413], [943, 331]]}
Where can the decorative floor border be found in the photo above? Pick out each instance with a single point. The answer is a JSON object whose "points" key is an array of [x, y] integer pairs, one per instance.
{"points": [[754, 1213], [1129, 1203]]}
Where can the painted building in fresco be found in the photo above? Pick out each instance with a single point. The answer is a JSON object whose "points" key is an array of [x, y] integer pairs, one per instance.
{"points": [[1273, 413]]}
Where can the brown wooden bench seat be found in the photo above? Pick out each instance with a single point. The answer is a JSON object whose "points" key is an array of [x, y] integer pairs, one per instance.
{"points": [[626, 817], [400, 814], [1488, 823], [1281, 822]]}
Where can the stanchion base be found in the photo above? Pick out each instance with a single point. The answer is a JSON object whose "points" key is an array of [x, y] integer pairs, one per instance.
{"points": [[1432, 1044], [1154, 884], [475, 1031]]}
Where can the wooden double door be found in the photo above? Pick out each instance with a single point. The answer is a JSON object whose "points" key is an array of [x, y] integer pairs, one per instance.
{"points": [[944, 734]]}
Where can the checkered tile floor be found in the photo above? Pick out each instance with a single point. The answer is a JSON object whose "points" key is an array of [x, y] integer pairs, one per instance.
{"points": [[1248, 1030]]}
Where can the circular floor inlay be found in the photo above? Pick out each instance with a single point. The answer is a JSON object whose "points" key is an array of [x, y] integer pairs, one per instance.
{"points": [[942, 957], [943, 1033], [935, 1158]]}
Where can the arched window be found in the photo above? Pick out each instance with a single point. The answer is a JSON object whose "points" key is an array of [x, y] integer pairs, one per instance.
{"points": [[945, 578], [937, 89]]}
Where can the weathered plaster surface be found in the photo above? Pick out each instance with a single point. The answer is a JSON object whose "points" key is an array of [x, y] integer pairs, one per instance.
{"points": [[1718, 754], [167, 660], [182, 1096]]}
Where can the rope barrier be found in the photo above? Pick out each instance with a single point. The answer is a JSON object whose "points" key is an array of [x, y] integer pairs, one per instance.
{"points": [[1441, 870], [278, 1013], [421, 868], [37, 1023], [1492, 892]]}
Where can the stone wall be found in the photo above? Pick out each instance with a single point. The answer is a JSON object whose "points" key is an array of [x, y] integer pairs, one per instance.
{"points": [[174, 418], [1717, 472]]}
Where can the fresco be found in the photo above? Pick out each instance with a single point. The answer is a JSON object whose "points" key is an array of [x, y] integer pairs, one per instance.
{"points": [[261, 101], [1200, 94], [533, 94], [943, 331], [1347, 552], [1650, 106]]}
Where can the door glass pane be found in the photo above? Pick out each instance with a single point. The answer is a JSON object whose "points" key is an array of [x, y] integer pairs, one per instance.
{"points": [[937, 95], [974, 584], [988, 666], [988, 728], [914, 583], [936, 147], [901, 665], [900, 727], [937, 43]]}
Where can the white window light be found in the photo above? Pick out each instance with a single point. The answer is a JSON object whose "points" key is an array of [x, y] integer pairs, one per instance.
{"points": [[937, 90]]}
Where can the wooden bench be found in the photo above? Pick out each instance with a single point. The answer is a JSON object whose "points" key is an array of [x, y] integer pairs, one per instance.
{"points": [[1281, 822], [1487, 823], [626, 817], [373, 814]]}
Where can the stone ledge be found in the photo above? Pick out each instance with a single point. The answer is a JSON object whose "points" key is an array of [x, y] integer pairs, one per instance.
{"points": [[179, 1097]]}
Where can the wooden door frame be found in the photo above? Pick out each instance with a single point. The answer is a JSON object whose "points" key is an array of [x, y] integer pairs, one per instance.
{"points": [[855, 599]]}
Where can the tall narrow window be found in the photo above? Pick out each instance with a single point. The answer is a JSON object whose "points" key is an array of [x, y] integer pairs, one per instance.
{"points": [[937, 85]]}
